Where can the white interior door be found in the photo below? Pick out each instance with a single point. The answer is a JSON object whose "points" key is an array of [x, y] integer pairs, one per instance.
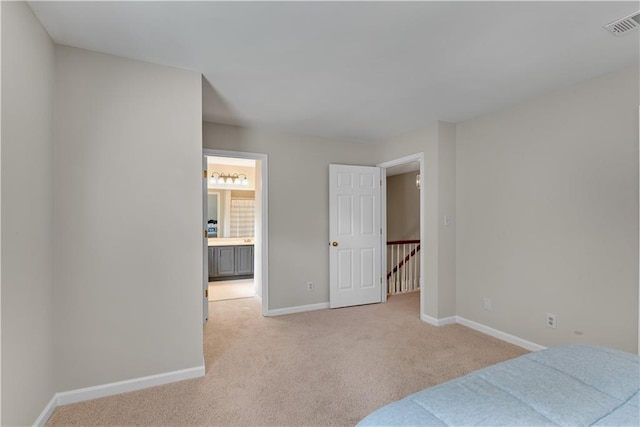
{"points": [[205, 243], [355, 235]]}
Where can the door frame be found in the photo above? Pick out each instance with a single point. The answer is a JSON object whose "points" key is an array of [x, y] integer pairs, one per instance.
{"points": [[205, 246], [417, 157], [264, 235]]}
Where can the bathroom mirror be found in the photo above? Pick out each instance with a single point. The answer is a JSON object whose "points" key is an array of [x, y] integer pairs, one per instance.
{"points": [[230, 213], [213, 213]]}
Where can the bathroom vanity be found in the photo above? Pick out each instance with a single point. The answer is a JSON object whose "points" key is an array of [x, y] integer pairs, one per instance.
{"points": [[230, 259]]}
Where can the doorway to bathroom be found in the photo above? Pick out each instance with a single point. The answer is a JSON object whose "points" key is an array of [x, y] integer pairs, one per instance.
{"points": [[231, 224], [235, 211]]}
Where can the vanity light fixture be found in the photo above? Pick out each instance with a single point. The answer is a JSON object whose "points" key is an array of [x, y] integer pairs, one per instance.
{"points": [[229, 178]]}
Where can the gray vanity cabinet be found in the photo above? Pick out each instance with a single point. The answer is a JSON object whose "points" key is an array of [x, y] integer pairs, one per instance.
{"points": [[244, 260], [226, 261], [230, 262]]}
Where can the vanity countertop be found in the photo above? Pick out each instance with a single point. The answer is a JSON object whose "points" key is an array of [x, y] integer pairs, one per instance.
{"points": [[230, 241]]}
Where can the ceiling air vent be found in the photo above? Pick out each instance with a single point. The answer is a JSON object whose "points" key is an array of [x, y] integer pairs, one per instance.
{"points": [[624, 25]]}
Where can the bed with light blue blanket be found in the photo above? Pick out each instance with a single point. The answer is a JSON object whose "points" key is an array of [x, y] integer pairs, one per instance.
{"points": [[574, 385]]}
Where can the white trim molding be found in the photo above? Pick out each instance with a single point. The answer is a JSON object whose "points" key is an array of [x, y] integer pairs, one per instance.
{"points": [[298, 309], [88, 393], [104, 390], [417, 157], [47, 412], [499, 334], [438, 322], [512, 339]]}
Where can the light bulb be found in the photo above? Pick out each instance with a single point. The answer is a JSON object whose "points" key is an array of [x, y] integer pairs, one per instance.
{"points": [[245, 181], [229, 180]]}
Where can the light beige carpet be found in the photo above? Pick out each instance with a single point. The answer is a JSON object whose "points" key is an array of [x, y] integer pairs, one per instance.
{"points": [[321, 368], [231, 289]]}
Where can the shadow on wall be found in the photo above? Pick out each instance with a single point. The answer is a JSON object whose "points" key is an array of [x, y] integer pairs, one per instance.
{"points": [[403, 207], [215, 108]]}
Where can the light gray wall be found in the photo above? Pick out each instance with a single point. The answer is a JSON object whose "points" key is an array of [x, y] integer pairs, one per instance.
{"points": [[27, 216], [545, 197], [547, 215], [436, 141], [127, 219], [298, 205], [446, 207], [403, 207]]}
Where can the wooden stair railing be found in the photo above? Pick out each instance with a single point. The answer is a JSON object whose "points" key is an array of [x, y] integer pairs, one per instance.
{"points": [[400, 279]]}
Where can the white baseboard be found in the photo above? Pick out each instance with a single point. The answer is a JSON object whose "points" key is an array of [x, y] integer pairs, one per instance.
{"points": [[134, 384], [46, 412], [499, 334], [438, 322], [88, 393], [298, 309], [95, 392], [484, 329]]}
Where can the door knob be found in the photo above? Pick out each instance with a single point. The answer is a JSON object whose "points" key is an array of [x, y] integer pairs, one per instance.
{"points": [[334, 243]]}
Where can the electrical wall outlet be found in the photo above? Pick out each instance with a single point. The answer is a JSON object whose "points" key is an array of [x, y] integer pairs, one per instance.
{"points": [[551, 320], [310, 286], [487, 304]]}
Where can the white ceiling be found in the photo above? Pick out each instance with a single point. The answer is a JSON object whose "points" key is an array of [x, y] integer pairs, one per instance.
{"points": [[359, 71]]}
